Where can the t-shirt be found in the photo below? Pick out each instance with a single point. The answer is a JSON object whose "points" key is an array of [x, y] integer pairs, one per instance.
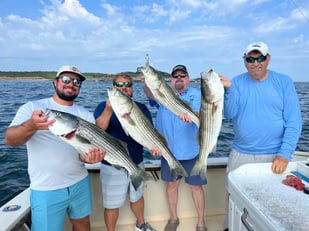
{"points": [[52, 163]]}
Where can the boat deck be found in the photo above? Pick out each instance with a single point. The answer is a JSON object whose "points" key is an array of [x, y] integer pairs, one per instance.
{"points": [[213, 223], [156, 205], [156, 208]]}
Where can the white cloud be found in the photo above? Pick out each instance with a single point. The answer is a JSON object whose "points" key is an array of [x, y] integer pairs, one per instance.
{"points": [[115, 38]]}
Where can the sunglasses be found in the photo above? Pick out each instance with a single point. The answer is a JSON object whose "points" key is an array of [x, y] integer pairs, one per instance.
{"points": [[67, 80], [179, 76], [259, 59], [121, 84]]}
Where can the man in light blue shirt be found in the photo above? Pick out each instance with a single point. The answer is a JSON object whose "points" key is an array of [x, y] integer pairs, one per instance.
{"points": [[181, 136], [265, 112]]}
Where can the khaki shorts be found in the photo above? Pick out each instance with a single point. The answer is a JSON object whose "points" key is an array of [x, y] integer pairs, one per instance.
{"points": [[236, 159]]}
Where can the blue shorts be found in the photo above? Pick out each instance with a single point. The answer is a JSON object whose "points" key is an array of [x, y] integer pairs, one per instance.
{"points": [[188, 165], [116, 185], [48, 208]]}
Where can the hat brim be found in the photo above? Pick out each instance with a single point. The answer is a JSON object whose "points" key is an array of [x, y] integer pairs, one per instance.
{"points": [[81, 77]]}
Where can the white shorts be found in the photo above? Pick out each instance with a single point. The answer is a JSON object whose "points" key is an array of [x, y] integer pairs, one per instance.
{"points": [[116, 184]]}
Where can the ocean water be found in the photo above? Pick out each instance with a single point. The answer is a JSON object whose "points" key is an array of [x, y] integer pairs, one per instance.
{"points": [[13, 161]]}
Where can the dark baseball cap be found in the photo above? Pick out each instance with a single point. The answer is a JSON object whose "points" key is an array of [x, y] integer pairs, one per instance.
{"points": [[180, 67]]}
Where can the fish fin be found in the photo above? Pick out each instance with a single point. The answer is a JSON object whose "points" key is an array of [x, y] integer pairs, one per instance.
{"points": [[131, 121], [159, 93], [139, 176], [178, 170], [125, 128], [124, 145], [188, 103], [214, 149], [125, 131], [200, 168], [118, 166], [214, 109], [82, 139], [162, 138]]}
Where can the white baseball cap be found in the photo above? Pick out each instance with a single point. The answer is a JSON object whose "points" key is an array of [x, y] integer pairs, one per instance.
{"points": [[71, 69], [257, 46]]}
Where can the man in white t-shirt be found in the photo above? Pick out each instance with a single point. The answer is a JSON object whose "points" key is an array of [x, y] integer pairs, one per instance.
{"points": [[59, 181]]}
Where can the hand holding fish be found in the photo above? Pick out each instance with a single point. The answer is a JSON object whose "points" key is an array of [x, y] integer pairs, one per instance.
{"points": [[225, 81], [164, 95], [156, 152], [94, 155], [138, 126], [40, 121], [210, 118], [20, 134], [185, 118]]}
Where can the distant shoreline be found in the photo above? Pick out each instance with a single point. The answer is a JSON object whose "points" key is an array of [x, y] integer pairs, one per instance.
{"points": [[21, 78], [47, 79]]}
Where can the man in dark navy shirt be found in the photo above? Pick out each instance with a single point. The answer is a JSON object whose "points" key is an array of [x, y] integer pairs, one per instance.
{"points": [[116, 182]]}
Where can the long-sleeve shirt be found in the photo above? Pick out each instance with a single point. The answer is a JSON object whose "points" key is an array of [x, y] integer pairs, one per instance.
{"points": [[266, 115]]}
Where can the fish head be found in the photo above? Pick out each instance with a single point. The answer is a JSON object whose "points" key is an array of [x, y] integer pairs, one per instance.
{"points": [[64, 124], [211, 86], [121, 103], [152, 77]]}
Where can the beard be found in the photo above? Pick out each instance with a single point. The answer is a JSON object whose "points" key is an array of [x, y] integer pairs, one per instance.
{"points": [[65, 97], [179, 85]]}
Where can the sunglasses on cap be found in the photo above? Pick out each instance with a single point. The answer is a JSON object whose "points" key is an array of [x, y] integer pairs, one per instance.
{"points": [[259, 59], [121, 84], [179, 76], [66, 79]]}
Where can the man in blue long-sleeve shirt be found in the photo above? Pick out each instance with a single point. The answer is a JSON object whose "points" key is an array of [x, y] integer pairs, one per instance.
{"points": [[265, 112]]}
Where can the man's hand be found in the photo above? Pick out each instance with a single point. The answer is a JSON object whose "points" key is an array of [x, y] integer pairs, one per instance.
{"points": [[94, 155], [156, 152], [279, 164], [225, 81], [40, 121], [185, 118]]}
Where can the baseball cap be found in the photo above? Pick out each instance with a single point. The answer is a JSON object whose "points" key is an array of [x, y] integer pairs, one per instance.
{"points": [[180, 67], [257, 46], [71, 69]]}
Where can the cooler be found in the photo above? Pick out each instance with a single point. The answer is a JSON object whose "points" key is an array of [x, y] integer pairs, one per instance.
{"points": [[260, 201]]}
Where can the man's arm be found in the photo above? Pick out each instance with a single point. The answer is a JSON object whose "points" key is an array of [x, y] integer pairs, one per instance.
{"points": [[20, 134], [103, 120]]}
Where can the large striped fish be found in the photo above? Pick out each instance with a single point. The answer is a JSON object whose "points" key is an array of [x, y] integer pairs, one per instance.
{"points": [[165, 95], [83, 135], [211, 114], [136, 124]]}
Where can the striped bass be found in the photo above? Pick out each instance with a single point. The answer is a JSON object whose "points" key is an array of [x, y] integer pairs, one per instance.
{"points": [[137, 125], [211, 114], [165, 95], [83, 135]]}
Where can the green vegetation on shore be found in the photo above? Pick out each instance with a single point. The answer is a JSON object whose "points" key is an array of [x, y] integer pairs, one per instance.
{"points": [[52, 74]]}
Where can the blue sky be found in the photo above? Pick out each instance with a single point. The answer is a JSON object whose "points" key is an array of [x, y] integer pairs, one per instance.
{"points": [[115, 35]]}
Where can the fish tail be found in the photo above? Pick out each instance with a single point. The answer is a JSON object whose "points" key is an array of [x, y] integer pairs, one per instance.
{"points": [[178, 171], [199, 169], [138, 177]]}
